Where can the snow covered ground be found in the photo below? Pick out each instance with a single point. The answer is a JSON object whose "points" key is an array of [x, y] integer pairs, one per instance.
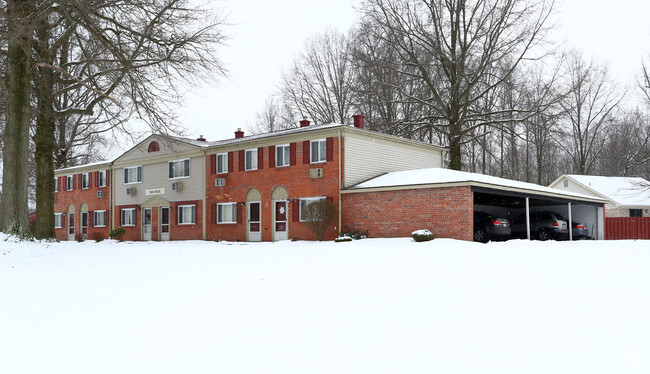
{"points": [[369, 306]]}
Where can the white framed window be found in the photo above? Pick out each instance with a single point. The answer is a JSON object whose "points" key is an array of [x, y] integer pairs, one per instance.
{"points": [[306, 201], [99, 218], [58, 220], [56, 184], [251, 159], [222, 163], [282, 155], [85, 181], [179, 168], [227, 213], [101, 179], [133, 174], [128, 217], [318, 151], [69, 182], [186, 214]]}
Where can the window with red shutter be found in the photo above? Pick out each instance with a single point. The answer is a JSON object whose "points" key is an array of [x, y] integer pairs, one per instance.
{"points": [[242, 156], [240, 209], [272, 156], [295, 210], [231, 161], [213, 214], [292, 149], [213, 164], [306, 156], [260, 158], [330, 149]]}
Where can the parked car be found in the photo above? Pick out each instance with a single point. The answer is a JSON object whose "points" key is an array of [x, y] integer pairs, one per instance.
{"points": [[488, 227], [544, 225], [580, 231]]}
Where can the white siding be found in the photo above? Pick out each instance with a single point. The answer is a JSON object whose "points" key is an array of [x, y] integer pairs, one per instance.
{"points": [[167, 147], [368, 158], [157, 176]]}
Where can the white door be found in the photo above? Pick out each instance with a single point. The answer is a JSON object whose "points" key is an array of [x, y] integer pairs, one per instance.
{"points": [[146, 224], [280, 227], [164, 223], [254, 221], [70, 226]]}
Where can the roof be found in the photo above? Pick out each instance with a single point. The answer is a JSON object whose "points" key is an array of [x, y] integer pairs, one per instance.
{"points": [[624, 191], [438, 177], [85, 166]]}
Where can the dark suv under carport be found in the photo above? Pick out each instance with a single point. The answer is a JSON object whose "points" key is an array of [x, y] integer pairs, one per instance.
{"points": [[544, 225]]}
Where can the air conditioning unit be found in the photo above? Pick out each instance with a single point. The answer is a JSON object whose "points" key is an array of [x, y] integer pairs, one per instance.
{"points": [[100, 193], [131, 191], [316, 173], [178, 186], [220, 182]]}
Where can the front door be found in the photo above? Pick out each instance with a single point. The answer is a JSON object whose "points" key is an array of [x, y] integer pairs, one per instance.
{"points": [[84, 224], [254, 222], [280, 229], [70, 226], [146, 224], [164, 223]]}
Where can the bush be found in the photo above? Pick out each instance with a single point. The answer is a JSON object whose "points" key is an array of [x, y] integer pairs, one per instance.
{"points": [[80, 238], [422, 235], [344, 238], [97, 236], [354, 233], [319, 216], [118, 233]]}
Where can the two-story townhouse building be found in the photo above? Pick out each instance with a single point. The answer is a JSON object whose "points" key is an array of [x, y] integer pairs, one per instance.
{"points": [[82, 201]]}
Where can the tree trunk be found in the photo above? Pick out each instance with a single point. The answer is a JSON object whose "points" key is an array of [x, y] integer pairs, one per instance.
{"points": [[14, 204]]}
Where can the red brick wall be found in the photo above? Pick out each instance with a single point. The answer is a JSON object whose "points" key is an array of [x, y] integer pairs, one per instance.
{"points": [[79, 196], [295, 179], [446, 211]]}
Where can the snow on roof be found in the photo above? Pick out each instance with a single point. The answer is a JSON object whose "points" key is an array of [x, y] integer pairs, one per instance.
{"points": [[626, 191], [442, 176], [84, 166]]}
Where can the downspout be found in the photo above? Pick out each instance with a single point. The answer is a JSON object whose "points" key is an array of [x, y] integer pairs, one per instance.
{"points": [[340, 183], [527, 218], [570, 224], [205, 187], [112, 199]]}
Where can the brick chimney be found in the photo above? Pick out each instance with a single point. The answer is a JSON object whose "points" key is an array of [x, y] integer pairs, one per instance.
{"points": [[304, 123], [359, 121], [239, 134], [200, 138]]}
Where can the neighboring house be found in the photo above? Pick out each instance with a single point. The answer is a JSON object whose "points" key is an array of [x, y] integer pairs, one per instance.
{"points": [[626, 196]]}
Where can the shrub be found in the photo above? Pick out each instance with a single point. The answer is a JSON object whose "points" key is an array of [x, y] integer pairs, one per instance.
{"points": [[319, 216], [97, 236], [422, 235], [79, 237], [354, 233], [118, 233], [344, 238]]}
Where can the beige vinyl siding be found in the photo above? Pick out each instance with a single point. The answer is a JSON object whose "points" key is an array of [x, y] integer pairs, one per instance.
{"points": [[370, 157], [155, 176], [167, 148]]}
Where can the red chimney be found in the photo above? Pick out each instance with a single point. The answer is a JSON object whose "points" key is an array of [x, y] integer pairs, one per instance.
{"points": [[200, 138], [239, 134], [358, 121], [304, 123]]}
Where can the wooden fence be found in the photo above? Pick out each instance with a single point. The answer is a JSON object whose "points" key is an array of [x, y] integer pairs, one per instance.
{"points": [[627, 228]]}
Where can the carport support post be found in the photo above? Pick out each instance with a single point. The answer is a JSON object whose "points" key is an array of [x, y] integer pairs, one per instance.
{"points": [[527, 218], [570, 224]]}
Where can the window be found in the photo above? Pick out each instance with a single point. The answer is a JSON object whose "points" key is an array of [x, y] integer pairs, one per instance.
{"points": [[56, 184], [153, 147], [133, 174], [128, 217], [99, 218], [58, 220], [101, 178], [222, 163], [251, 159], [318, 151], [85, 181], [566, 183], [306, 201], [227, 213], [636, 212], [186, 214], [282, 155], [179, 168], [69, 182]]}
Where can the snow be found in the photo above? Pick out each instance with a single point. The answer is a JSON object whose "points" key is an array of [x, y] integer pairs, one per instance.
{"points": [[440, 176], [625, 191], [366, 306]]}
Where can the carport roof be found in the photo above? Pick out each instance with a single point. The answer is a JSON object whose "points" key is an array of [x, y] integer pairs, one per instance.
{"points": [[438, 177]]}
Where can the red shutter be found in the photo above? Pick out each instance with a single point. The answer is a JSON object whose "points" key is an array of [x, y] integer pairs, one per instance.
{"points": [[61, 185], [272, 156], [119, 217], [306, 156], [292, 157], [330, 199], [231, 161], [242, 165], [90, 180], [91, 216], [295, 210], [330, 149], [213, 164], [213, 214], [96, 178], [240, 208], [260, 158], [108, 177]]}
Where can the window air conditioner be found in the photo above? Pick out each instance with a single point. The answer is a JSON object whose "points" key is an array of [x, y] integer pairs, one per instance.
{"points": [[131, 191], [316, 173], [100, 193], [178, 186], [220, 182]]}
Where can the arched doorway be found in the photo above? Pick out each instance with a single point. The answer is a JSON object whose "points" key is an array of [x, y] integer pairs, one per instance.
{"points": [[279, 201], [254, 215], [83, 220]]}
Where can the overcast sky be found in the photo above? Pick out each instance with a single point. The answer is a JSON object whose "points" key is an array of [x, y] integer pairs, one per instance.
{"points": [[266, 35]]}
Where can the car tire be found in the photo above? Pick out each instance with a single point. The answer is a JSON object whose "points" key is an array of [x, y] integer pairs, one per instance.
{"points": [[480, 236], [543, 235]]}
